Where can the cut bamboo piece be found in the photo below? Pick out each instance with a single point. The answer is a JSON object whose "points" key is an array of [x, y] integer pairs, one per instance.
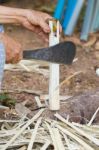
{"points": [[38, 102], [54, 103]]}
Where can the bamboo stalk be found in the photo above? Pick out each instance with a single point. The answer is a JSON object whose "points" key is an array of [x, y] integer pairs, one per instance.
{"points": [[59, 9], [54, 103], [87, 20], [73, 12]]}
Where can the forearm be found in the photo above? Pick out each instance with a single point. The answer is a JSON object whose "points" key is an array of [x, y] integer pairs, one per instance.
{"points": [[12, 11], [11, 19], [5, 19]]}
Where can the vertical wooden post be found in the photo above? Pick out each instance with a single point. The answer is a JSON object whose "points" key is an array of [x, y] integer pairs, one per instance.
{"points": [[54, 103]]}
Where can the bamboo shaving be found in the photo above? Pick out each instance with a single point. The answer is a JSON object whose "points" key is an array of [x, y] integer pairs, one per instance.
{"points": [[61, 134]]}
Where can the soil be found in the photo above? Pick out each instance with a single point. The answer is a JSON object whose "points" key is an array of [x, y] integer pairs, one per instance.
{"points": [[86, 61]]}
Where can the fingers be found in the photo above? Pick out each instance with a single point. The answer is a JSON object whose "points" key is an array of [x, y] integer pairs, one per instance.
{"points": [[37, 19], [13, 50], [44, 36], [44, 22], [45, 27], [28, 25]]}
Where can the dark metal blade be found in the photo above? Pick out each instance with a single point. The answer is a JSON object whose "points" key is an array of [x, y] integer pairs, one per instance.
{"points": [[62, 53]]}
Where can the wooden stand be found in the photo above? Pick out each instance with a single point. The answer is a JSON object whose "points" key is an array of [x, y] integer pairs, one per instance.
{"points": [[54, 102]]}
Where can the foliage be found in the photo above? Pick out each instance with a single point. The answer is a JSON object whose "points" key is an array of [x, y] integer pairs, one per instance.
{"points": [[6, 100]]}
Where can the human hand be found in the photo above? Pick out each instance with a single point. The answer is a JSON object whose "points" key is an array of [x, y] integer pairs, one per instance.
{"points": [[38, 22], [33, 20], [13, 49], [36, 29], [40, 19]]}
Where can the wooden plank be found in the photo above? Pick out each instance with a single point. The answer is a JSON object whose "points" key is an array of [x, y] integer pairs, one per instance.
{"points": [[54, 103]]}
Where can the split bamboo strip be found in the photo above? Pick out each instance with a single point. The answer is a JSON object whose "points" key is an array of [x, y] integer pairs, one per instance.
{"points": [[46, 145], [30, 146], [69, 78], [93, 117], [78, 130], [77, 7], [52, 136], [66, 80], [58, 138], [73, 136], [67, 141], [22, 129], [59, 9]]}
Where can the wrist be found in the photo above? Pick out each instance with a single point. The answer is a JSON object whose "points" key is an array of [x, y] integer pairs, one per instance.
{"points": [[28, 13]]}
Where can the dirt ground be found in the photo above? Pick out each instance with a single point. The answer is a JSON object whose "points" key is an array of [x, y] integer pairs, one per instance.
{"points": [[87, 59]]}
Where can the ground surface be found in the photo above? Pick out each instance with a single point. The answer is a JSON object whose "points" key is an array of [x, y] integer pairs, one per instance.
{"points": [[87, 57]]}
